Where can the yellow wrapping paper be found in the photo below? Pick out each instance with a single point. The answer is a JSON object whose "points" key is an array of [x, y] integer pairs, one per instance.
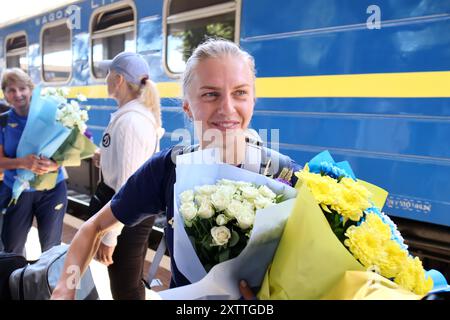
{"points": [[362, 285], [311, 263]]}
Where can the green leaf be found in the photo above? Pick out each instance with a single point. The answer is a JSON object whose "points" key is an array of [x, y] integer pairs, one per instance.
{"points": [[279, 198], [234, 239], [224, 255]]}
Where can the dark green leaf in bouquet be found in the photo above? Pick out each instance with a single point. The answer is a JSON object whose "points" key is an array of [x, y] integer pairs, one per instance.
{"points": [[234, 239], [224, 255]]}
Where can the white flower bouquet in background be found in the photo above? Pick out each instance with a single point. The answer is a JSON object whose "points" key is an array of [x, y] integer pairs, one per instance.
{"points": [[55, 129], [227, 225]]}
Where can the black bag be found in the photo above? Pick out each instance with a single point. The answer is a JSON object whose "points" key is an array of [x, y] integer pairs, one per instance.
{"points": [[103, 194], [38, 280], [9, 262]]}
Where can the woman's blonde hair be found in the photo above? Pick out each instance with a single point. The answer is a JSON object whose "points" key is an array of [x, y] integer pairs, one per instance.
{"points": [[16, 76], [214, 48], [148, 93]]}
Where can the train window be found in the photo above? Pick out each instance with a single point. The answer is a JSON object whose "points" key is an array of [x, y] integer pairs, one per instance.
{"points": [[56, 53], [188, 23], [16, 52], [112, 32]]}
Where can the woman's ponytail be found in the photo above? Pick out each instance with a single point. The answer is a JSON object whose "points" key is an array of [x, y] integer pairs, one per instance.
{"points": [[151, 100]]}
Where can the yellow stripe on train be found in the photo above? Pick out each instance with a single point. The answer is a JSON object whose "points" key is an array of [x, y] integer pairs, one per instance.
{"points": [[387, 85]]}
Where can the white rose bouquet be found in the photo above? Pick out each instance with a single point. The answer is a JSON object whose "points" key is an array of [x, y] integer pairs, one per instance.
{"points": [[227, 225], [219, 218]]}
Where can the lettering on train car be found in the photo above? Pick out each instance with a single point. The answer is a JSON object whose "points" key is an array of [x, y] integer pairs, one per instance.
{"points": [[72, 13], [374, 20], [408, 204]]}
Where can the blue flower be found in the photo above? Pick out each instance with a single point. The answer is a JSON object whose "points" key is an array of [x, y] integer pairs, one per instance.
{"points": [[333, 171]]}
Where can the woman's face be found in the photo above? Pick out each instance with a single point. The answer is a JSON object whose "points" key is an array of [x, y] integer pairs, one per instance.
{"points": [[18, 95], [221, 97]]}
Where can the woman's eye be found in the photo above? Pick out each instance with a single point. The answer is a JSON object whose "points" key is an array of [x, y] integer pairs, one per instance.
{"points": [[240, 92], [210, 95]]}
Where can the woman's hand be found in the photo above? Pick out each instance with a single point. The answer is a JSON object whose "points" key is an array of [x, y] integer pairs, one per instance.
{"points": [[104, 254], [50, 164], [39, 165], [246, 291]]}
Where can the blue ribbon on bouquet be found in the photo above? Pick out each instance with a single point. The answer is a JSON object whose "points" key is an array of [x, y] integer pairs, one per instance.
{"points": [[42, 136], [324, 162]]}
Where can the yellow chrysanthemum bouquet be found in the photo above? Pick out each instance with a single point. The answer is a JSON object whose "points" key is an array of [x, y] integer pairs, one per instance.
{"points": [[337, 244]]}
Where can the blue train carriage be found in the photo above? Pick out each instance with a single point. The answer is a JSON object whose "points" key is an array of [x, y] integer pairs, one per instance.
{"points": [[367, 80]]}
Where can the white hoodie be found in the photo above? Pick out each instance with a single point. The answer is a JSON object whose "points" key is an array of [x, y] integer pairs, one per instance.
{"points": [[130, 139]]}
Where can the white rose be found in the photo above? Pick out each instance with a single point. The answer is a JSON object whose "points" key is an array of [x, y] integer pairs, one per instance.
{"points": [[205, 211], [75, 105], [221, 220], [261, 202], [200, 198], [266, 192], [187, 196], [222, 197], [220, 235], [69, 108], [206, 189], [238, 197], [233, 208], [249, 205], [84, 116], [249, 192], [188, 210], [245, 219]]}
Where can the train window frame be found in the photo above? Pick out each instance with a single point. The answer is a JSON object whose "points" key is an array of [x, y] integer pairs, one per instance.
{"points": [[114, 31], [48, 26], [196, 14], [5, 47]]}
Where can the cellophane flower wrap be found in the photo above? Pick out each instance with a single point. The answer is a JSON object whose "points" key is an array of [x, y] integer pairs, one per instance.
{"points": [[227, 224], [55, 129], [337, 237]]}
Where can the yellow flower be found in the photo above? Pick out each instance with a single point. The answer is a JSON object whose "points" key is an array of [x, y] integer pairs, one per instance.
{"points": [[412, 277], [353, 199], [371, 244], [347, 197], [324, 188]]}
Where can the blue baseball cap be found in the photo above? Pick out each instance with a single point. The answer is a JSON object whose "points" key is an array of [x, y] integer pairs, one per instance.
{"points": [[130, 65]]}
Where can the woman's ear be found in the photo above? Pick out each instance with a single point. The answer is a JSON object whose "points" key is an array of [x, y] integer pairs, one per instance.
{"points": [[119, 80], [187, 109]]}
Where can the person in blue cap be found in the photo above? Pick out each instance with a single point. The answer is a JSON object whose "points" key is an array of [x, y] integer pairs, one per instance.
{"points": [[131, 138], [48, 206], [218, 95]]}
